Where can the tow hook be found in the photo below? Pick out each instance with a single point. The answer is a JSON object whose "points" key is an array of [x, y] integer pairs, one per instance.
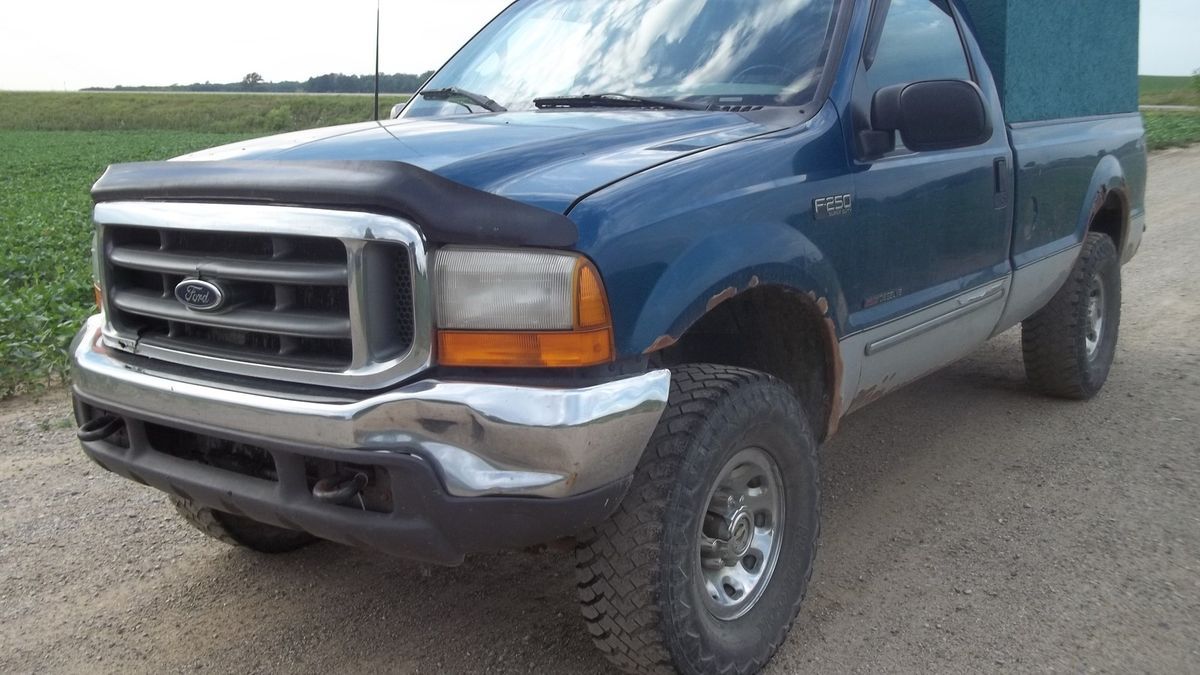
{"points": [[100, 428], [340, 489]]}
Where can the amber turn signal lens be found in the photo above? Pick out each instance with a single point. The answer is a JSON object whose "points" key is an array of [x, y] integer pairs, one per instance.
{"points": [[574, 349], [591, 307], [99, 296]]}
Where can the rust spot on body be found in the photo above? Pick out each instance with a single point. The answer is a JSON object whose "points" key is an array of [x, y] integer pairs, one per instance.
{"points": [[838, 370], [873, 394], [1098, 203], [661, 344], [868, 396], [727, 294]]}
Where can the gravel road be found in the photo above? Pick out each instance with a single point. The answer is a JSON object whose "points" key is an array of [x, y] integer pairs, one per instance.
{"points": [[971, 526]]}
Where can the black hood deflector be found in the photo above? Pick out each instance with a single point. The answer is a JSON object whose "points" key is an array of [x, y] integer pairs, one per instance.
{"points": [[446, 212]]}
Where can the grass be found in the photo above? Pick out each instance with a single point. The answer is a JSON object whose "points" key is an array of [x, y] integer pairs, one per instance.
{"points": [[1163, 90], [53, 146], [45, 237], [1171, 129], [208, 113]]}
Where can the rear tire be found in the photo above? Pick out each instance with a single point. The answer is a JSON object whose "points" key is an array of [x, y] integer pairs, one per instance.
{"points": [[241, 531], [1069, 345], [705, 564]]}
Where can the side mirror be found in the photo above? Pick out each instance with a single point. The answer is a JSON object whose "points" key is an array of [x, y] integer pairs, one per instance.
{"points": [[396, 111], [933, 115]]}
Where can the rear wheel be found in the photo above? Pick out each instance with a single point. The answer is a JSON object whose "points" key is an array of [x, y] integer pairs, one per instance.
{"points": [[241, 531], [1069, 345], [705, 564]]}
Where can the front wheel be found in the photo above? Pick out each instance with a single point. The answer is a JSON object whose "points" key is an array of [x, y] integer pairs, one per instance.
{"points": [[1069, 345], [705, 564]]}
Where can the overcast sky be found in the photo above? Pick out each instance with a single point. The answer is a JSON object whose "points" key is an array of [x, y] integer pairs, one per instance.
{"points": [[70, 44]]}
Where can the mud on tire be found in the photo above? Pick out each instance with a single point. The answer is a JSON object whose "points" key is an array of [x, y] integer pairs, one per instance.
{"points": [[641, 579]]}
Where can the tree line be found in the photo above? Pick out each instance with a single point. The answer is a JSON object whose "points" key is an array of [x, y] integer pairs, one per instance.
{"points": [[330, 83]]}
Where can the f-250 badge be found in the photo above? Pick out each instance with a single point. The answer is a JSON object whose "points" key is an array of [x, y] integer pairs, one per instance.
{"points": [[832, 207]]}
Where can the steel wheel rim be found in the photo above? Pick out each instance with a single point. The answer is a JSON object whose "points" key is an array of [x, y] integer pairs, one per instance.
{"points": [[1095, 317], [740, 534]]}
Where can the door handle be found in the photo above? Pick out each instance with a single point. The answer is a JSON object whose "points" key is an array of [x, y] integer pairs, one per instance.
{"points": [[1002, 180]]}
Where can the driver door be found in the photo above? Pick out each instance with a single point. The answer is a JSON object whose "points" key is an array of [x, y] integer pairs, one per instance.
{"points": [[933, 235]]}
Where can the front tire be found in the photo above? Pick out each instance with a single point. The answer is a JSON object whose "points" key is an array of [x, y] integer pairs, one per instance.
{"points": [[705, 564], [1069, 345]]}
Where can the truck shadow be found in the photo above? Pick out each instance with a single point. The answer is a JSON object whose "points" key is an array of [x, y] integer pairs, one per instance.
{"points": [[331, 606]]}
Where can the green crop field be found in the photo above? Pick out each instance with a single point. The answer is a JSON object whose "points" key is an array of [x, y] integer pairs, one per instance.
{"points": [[1174, 128], [211, 113], [1171, 129], [45, 237], [1161, 90], [54, 145]]}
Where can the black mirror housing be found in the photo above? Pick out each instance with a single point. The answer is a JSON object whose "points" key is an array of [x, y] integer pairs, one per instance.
{"points": [[933, 115]]}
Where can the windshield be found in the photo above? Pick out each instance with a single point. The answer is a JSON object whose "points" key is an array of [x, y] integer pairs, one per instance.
{"points": [[709, 52]]}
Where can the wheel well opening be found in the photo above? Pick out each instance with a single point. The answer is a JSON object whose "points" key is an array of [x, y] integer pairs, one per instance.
{"points": [[1110, 219], [776, 331]]}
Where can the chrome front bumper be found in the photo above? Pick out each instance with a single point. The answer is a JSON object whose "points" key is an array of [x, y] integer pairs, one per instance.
{"points": [[483, 439]]}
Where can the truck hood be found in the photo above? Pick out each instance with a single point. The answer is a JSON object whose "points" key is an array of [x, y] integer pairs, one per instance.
{"points": [[546, 159]]}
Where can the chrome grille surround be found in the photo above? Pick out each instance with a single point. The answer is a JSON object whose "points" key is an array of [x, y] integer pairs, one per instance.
{"points": [[369, 365]]}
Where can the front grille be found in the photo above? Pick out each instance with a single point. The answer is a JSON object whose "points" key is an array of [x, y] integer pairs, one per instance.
{"points": [[319, 297], [405, 311], [288, 297]]}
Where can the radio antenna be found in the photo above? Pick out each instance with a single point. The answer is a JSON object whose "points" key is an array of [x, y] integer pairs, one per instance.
{"points": [[376, 116]]}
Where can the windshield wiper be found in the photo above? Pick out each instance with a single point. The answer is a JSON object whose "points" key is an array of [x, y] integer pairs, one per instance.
{"points": [[614, 101], [451, 93]]}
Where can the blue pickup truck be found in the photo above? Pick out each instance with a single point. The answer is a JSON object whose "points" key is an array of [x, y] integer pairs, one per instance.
{"points": [[612, 275]]}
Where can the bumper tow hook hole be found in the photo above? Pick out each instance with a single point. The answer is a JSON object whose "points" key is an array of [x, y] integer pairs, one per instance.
{"points": [[340, 489], [100, 428]]}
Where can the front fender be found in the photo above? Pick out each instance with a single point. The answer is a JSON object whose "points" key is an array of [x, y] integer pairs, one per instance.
{"points": [[718, 268], [674, 242]]}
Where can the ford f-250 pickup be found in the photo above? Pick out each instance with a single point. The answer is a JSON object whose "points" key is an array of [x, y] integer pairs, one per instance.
{"points": [[611, 275]]}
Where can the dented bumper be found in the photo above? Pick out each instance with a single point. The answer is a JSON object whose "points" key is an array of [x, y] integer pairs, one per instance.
{"points": [[470, 447]]}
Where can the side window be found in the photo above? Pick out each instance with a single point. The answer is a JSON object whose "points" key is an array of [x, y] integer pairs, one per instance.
{"points": [[919, 42]]}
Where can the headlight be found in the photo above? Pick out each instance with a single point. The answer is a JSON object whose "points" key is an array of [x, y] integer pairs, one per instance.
{"points": [[511, 308]]}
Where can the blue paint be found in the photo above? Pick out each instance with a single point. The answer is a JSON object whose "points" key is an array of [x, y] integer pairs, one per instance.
{"points": [[677, 207], [1062, 169], [669, 240], [547, 159]]}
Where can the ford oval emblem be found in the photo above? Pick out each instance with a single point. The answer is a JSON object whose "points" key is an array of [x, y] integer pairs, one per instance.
{"points": [[200, 295]]}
